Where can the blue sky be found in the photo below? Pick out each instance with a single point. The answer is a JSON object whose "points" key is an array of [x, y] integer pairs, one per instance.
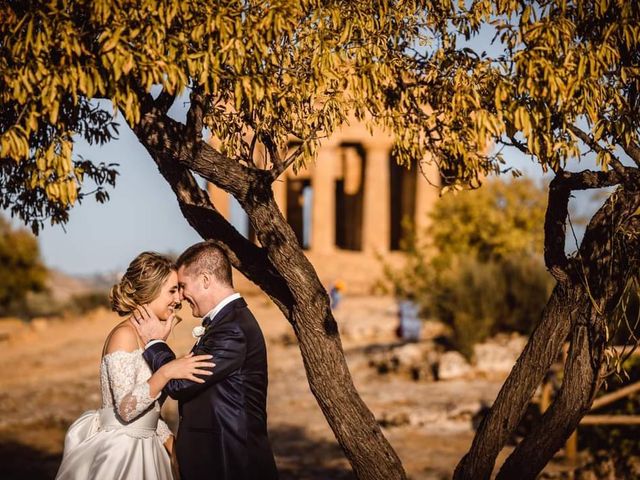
{"points": [[142, 214]]}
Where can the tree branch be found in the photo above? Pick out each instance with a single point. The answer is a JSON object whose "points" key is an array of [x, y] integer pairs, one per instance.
{"points": [[580, 384], [633, 151], [554, 229], [607, 258], [194, 115], [155, 132], [272, 150], [282, 166], [558, 209], [596, 147], [164, 101], [518, 144], [569, 303]]}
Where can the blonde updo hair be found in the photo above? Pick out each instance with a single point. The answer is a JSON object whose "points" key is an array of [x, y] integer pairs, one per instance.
{"points": [[141, 283]]}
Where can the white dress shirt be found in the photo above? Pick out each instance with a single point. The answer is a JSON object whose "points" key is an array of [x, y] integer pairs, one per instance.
{"points": [[224, 302]]}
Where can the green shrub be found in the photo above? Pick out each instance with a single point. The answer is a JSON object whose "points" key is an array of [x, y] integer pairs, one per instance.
{"points": [[41, 304], [479, 299], [478, 266], [21, 269], [528, 286], [86, 302], [622, 439]]}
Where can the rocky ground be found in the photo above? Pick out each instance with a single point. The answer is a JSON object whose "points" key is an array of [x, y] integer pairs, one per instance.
{"points": [[49, 376]]}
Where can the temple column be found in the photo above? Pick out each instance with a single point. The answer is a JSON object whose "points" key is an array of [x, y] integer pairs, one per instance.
{"points": [[323, 223], [427, 194], [376, 216]]}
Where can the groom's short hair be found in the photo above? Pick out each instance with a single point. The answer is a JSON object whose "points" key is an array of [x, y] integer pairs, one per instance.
{"points": [[206, 257]]}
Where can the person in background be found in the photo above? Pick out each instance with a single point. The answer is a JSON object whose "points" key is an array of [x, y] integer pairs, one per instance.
{"points": [[335, 293], [409, 321]]}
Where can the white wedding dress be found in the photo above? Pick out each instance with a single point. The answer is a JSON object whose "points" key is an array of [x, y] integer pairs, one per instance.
{"points": [[124, 439]]}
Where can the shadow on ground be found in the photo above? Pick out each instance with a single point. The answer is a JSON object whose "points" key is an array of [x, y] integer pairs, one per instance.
{"points": [[19, 462], [299, 457]]}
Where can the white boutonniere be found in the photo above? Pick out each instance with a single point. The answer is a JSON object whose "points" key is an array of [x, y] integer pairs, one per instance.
{"points": [[198, 331]]}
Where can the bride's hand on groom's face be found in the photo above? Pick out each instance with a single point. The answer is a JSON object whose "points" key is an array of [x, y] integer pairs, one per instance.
{"points": [[149, 326]]}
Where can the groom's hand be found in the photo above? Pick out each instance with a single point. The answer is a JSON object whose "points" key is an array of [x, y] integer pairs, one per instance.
{"points": [[149, 326]]}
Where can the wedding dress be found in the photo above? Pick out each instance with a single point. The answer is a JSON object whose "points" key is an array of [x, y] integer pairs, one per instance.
{"points": [[124, 439]]}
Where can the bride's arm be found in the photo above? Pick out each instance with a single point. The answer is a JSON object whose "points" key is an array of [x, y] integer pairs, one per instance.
{"points": [[183, 368], [132, 399]]}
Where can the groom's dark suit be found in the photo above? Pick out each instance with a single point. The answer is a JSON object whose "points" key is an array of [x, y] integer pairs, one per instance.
{"points": [[223, 422]]}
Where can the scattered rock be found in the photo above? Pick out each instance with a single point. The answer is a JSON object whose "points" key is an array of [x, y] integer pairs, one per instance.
{"points": [[408, 355], [416, 360], [361, 332], [453, 365], [432, 329], [10, 327], [394, 419], [420, 360], [39, 324], [498, 354], [445, 418]]}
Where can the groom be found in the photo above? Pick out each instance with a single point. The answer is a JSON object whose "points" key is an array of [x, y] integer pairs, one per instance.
{"points": [[223, 422]]}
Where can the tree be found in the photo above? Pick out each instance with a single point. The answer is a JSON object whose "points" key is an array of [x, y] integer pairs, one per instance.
{"points": [[562, 83], [21, 270], [261, 76]]}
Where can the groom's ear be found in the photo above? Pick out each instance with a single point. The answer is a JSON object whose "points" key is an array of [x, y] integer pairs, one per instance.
{"points": [[206, 280]]}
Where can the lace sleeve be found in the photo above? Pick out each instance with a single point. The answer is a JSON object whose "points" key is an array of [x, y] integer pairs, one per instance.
{"points": [[163, 430], [130, 399]]}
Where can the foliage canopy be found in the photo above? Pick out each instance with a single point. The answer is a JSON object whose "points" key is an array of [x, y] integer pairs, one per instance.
{"points": [[272, 71], [563, 83]]}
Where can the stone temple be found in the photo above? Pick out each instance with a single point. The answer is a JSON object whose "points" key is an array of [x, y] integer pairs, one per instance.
{"points": [[347, 208]]}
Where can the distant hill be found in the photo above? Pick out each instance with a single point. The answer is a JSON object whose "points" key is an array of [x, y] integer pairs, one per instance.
{"points": [[63, 286]]}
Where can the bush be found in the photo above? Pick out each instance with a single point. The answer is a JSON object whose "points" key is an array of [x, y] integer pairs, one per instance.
{"points": [[86, 302], [41, 304], [21, 269], [478, 267], [479, 299], [622, 439]]}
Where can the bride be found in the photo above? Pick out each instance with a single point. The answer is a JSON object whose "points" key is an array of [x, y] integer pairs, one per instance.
{"points": [[126, 438]]}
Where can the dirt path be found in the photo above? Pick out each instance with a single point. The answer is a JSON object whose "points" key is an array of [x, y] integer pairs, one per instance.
{"points": [[49, 376]]}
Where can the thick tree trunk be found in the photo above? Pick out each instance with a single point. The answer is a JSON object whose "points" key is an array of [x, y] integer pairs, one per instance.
{"points": [[581, 382], [539, 354], [353, 424], [281, 269], [588, 292], [608, 257]]}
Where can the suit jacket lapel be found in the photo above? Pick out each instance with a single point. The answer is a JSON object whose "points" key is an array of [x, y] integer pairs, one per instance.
{"points": [[238, 302]]}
